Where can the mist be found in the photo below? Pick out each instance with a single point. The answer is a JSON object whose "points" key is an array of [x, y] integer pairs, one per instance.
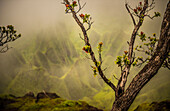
{"points": [[31, 15], [49, 55]]}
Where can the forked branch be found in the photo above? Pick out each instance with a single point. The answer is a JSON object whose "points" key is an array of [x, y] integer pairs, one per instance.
{"points": [[86, 40], [125, 72]]}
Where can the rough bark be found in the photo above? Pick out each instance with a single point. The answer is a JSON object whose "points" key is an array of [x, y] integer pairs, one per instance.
{"points": [[123, 102], [125, 72], [123, 99]]}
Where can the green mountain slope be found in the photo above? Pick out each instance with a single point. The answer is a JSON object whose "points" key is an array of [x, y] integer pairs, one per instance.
{"points": [[154, 106], [53, 61], [46, 102]]}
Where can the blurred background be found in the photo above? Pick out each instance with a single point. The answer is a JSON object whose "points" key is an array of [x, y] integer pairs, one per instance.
{"points": [[49, 54]]}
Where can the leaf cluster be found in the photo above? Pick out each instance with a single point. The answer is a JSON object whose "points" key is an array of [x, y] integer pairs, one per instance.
{"points": [[100, 46], [8, 34], [85, 17], [138, 8], [148, 48], [73, 5], [122, 60], [86, 48]]}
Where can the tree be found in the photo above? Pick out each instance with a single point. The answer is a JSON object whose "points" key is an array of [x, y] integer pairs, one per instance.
{"points": [[7, 34], [158, 56]]}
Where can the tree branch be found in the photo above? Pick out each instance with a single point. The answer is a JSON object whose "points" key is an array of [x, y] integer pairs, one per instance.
{"points": [[150, 70], [125, 71], [89, 23], [80, 7], [134, 23], [151, 6], [8, 34], [86, 40], [5, 49]]}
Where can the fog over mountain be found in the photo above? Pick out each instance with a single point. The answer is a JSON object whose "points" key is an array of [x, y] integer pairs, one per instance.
{"points": [[49, 54]]}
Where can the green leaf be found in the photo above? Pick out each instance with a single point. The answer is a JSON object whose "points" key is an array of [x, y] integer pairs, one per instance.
{"points": [[84, 20], [150, 48], [157, 14], [134, 63], [98, 64], [19, 35], [74, 5], [119, 60], [142, 37], [140, 46], [87, 16]]}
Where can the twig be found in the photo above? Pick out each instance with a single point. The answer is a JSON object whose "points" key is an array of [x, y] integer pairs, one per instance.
{"points": [[87, 56], [126, 5], [125, 72], [105, 69], [5, 49], [89, 23], [151, 6], [80, 6], [149, 16], [115, 77], [81, 37]]}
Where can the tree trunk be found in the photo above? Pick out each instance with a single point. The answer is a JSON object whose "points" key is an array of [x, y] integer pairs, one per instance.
{"points": [[123, 102]]}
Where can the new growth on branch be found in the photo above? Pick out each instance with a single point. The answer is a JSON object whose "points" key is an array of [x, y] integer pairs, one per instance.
{"points": [[156, 49]]}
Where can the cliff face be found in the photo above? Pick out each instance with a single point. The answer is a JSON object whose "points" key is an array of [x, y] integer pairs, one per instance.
{"points": [[35, 62], [53, 61]]}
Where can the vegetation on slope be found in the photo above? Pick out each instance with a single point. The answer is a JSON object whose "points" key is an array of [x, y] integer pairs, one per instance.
{"points": [[54, 64], [154, 106], [43, 102]]}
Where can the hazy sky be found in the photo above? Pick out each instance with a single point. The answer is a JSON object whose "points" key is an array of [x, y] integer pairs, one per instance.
{"points": [[34, 14], [31, 17]]}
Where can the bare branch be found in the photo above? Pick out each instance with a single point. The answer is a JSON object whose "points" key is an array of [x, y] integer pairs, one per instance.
{"points": [[87, 57], [81, 36], [142, 61], [80, 7], [115, 77], [151, 6], [135, 14], [126, 5], [89, 23], [105, 69], [149, 16], [5, 49]]}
